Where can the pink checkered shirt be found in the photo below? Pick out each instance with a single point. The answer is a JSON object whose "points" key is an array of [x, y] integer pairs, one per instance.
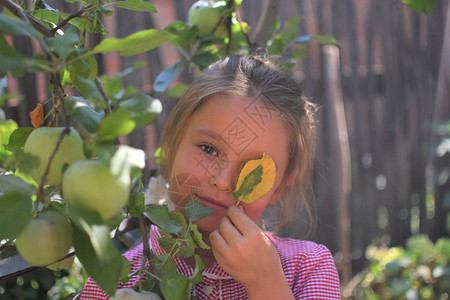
{"points": [[309, 269]]}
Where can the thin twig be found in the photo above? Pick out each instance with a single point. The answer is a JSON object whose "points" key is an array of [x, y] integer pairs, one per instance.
{"points": [[229, 6], [244, 32], [72, 16], [103, 93], [40, 193], [264, 28], [147, 251], [20, 13]]}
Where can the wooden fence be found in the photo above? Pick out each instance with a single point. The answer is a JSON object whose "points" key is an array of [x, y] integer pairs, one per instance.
{"points": [[378, 87]]}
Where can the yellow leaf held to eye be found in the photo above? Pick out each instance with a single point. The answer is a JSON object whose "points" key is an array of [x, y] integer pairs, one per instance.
{"points": [[256, 179]]}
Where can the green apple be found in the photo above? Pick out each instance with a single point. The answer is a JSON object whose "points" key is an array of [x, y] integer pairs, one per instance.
{"points": [[90, 185], [62, 264], [41, 143], [206, 15], [130, 294], [46, 239]]}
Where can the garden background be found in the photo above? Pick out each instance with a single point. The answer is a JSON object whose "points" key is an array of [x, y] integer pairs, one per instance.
{"points": [[382, 170]]}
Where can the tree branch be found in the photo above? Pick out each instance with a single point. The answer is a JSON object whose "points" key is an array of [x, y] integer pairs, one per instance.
{"points": [[244, 31], [72, 16], [20, 13], [264, 28], [103, 93], [147, 251], [229, 21]]}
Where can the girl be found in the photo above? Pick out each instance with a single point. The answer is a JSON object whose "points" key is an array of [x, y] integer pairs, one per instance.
{"points": [[239, 108]]}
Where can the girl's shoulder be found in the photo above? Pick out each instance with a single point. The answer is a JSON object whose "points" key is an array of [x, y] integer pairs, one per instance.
{"points": [[309, 268]]}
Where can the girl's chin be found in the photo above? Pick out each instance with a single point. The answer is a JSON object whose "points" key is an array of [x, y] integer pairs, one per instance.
{"points": [[208, 225]]}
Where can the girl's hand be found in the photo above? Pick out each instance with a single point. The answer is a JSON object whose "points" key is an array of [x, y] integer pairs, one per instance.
{"points": [[243, 250]]}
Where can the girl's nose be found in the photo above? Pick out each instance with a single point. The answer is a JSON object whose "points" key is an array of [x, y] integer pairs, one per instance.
{"points": [[223, 180]]}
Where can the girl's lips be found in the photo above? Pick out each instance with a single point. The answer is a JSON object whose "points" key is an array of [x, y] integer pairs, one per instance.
{"points": [[209, 202]]}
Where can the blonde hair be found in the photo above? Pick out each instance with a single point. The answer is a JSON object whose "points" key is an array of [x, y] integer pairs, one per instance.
{"points": [[250, 76]]}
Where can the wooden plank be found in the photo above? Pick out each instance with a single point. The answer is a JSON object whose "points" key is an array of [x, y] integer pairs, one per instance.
{"points": [[340, 172]]}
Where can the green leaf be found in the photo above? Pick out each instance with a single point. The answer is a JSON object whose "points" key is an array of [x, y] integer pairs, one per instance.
{"points": [[177, 91], [43, 11], [94, 247], [165, 265], [89, 90], [121, 159], [80, 110], [51, 16], [11, 60], [9, 26], [143, 108], [135, 43], [197, 236], [177, 247], [425, 6], [290, 29], [64, 45], [15, 212], [277, 45], [300, 52], [136, 5], [17, 138], [204, 60], [116, 124], [185, 35], [159, 215], [136, 204], [13, 184], [6, 130], [113, 85], [173, 286], [196, 211], [199, 267], [99, 256], [91, 22], [85, 68], [168, 75], [237, 4], [179, 219], [250, 181], [324, 39], [126, 268]]}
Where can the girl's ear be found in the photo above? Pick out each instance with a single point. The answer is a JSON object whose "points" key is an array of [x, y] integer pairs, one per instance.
{"points": [[289, 179]]}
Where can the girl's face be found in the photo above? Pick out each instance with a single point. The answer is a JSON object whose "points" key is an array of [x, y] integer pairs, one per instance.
{"points": [[220, 137]]}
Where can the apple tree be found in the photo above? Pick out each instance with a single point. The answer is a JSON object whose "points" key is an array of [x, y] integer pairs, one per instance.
{"points": [[67, 183]]}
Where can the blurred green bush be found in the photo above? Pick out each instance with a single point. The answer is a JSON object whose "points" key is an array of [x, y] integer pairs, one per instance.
{"points": [[421, 270]]}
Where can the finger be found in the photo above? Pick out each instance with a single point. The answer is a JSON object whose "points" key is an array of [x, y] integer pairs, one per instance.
{"points": [[218, 256], [228, 231], [241, 221], [217, 241]]}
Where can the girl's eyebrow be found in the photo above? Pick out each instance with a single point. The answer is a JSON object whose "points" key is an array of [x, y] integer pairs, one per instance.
{"points": [[208, 132]]}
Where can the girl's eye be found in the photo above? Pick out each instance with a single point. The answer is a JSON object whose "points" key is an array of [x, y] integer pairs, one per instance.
{"points": [[209, 150]]}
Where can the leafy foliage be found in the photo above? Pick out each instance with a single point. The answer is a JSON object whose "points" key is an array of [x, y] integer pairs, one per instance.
{"points": [[102, 110], [419, 271], [425, 6]]}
